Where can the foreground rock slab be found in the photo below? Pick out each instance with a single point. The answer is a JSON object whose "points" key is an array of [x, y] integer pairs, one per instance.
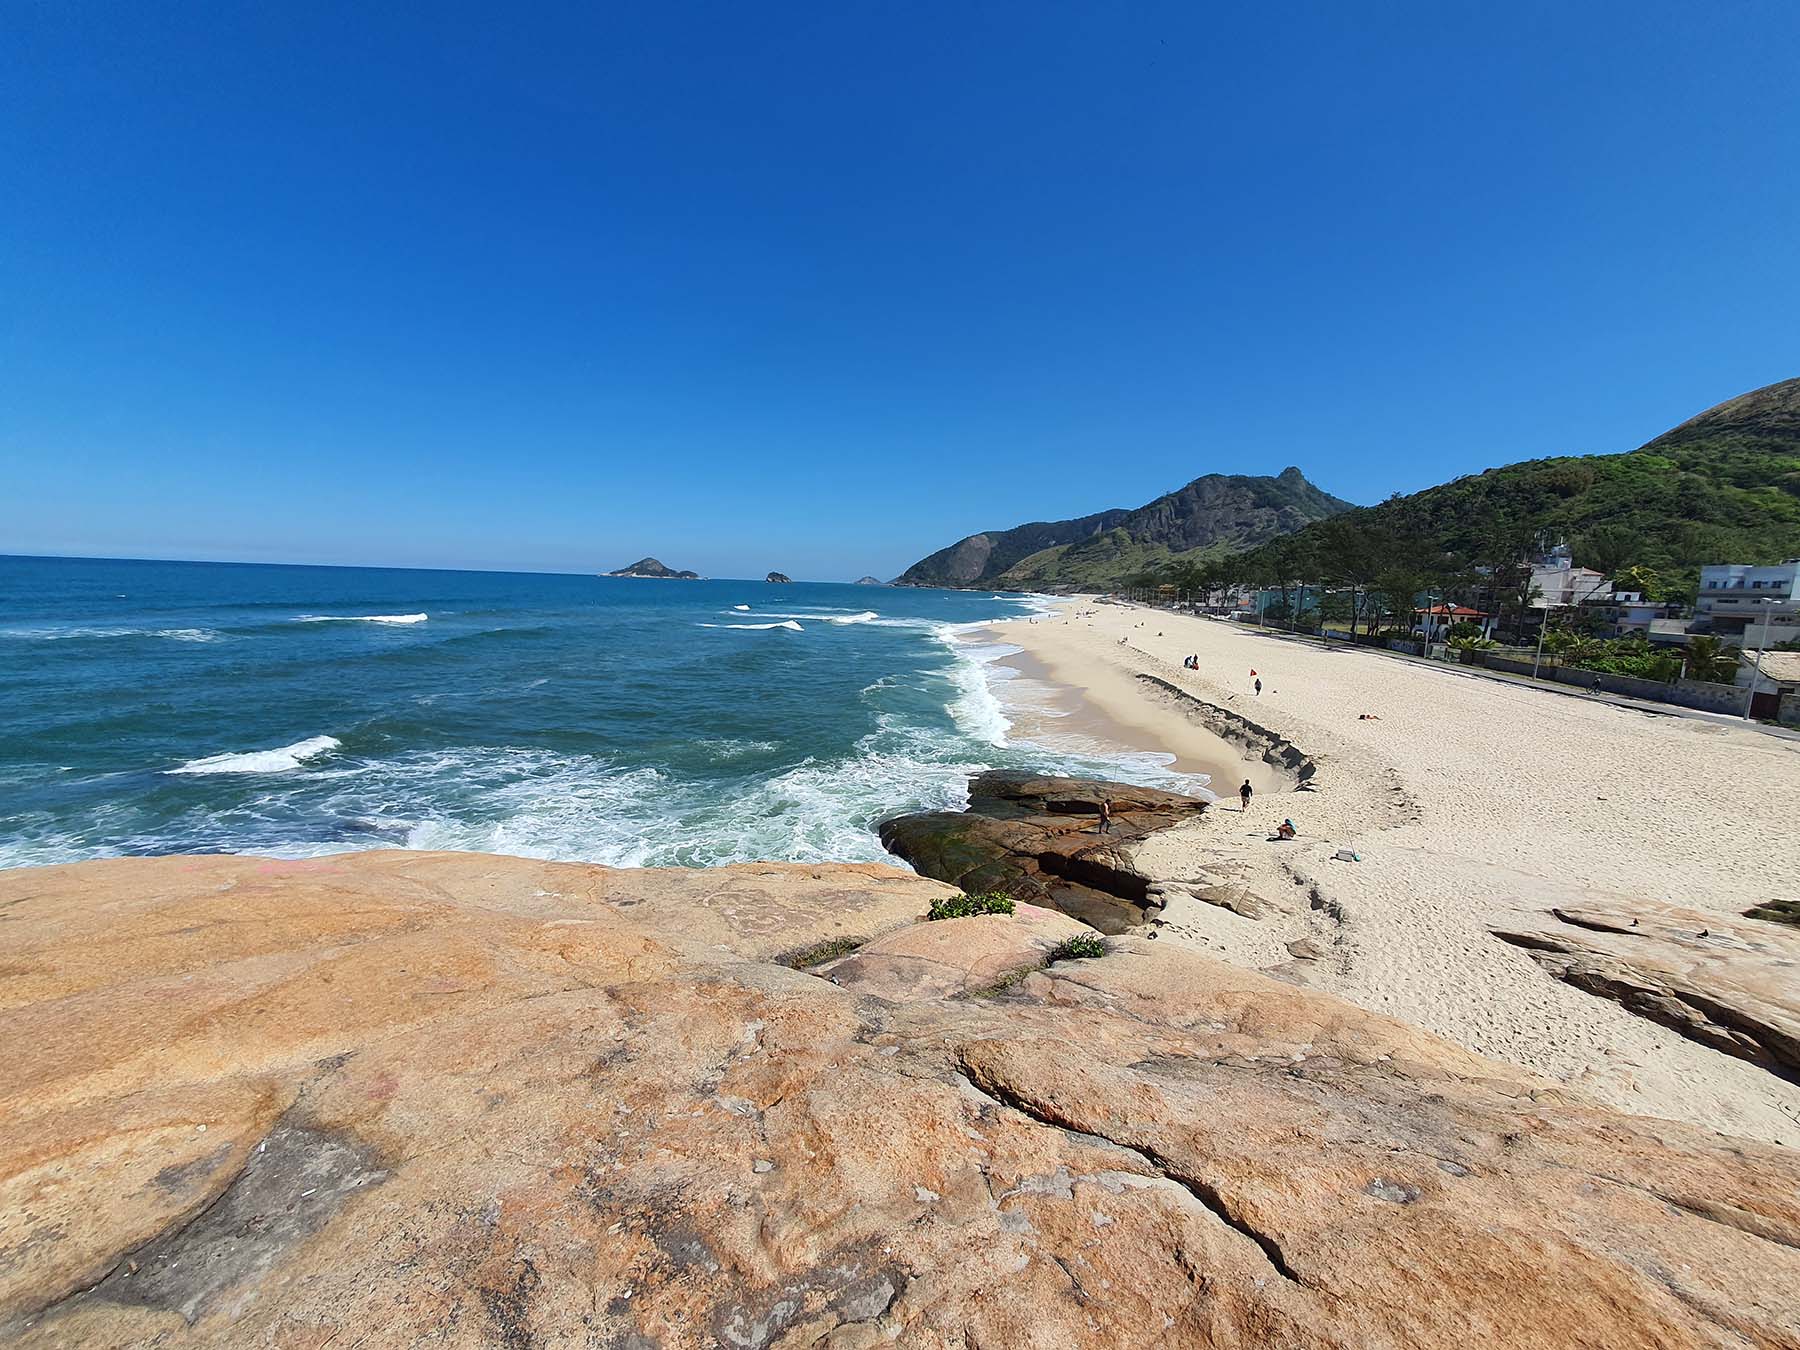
{"points": [[1038, 839], [952, 958], [1732, 984], [401, 1099]]}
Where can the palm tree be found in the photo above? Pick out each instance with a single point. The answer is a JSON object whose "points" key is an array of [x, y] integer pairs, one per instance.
{"points": [[1708, 658]]}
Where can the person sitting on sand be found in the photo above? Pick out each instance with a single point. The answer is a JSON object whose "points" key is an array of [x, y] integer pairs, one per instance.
{"points": [[1286, 830]]}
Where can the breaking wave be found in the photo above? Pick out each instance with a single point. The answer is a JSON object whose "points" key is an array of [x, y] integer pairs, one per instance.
{"points": [[49, 634], [281, 760], [362, 618]]}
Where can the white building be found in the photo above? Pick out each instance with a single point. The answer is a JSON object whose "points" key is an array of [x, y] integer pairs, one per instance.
{"points": [[1736, 600], [1555, 580]]}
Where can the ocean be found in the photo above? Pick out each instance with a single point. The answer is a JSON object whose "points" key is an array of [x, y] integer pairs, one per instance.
{"points": [[160, 707]]}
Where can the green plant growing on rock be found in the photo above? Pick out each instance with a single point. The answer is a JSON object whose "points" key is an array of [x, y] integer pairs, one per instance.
{"points": [[965, 906], [1081, 947]]}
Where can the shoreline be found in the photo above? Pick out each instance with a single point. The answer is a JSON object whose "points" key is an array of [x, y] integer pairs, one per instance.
{"points": [[1070, 717], [1475, 807]]}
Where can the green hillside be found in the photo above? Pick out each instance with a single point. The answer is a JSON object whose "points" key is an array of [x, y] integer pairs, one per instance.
{"points": [[1722, 487]]}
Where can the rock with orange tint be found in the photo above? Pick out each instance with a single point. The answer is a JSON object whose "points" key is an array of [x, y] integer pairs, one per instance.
{"points": [[1732, 984], [401, 1099], [949, 958]]}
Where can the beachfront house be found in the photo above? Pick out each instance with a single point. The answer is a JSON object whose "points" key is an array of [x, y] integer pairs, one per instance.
{"points": [[1773, 679], [1434, 622], [1737, 601]]}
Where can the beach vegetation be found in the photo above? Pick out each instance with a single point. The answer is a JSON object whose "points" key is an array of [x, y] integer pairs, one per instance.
{"points": [[967, 906], [1631, 656], [1081, 947], [804, 958]]}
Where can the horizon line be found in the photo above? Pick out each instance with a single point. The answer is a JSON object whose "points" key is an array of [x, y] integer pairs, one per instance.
{"points": [[395, 567]]}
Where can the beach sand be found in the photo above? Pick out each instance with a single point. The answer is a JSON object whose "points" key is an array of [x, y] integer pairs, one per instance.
{"points": [[1469, 800]]}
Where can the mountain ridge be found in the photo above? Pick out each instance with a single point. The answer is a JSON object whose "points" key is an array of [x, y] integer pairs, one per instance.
{"points": [[1210, 514]]}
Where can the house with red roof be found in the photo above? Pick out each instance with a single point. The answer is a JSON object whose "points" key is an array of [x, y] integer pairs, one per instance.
{"points": [[1436, 620]]}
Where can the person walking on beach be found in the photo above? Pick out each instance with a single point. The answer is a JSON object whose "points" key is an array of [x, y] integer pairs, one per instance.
{"points": [[1244, 794], [1259, 688], [1105, 825]]}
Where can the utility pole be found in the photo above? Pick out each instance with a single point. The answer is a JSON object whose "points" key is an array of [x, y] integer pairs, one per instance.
{"points": [[1756, 665], [1536, 660]]}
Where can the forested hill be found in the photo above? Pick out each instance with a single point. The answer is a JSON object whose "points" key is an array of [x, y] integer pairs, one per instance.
{"points": [[1212, 515], [1721, 487]]}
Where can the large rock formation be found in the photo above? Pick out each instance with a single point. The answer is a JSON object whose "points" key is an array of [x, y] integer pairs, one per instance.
{"points": [[778, 578], [403, 1099], [651, 569], [1038, 840], [1733, 984], [870, 581]]}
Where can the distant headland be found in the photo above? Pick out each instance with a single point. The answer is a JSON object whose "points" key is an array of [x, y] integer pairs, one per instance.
{"points": [[650, 567]]}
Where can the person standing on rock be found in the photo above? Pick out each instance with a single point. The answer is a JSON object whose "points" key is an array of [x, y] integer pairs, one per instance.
{"points": [[1105, 825], [1244, 794]]}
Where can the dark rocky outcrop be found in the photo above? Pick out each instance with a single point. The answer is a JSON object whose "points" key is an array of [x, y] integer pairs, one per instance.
{"points": [[1732, 985], [651, 568], [1037, 839], [779, 578], [402, 1099]]}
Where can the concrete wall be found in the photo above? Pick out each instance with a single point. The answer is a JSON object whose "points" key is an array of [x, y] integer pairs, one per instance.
{"points": [[1707, 697]]}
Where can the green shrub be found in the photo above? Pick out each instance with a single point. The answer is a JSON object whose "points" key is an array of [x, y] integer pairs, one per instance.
{"points": [[963, 906], [1081, 947]]}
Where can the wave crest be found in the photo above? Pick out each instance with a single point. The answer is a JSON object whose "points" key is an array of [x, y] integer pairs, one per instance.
{"points": [[362, 618], [284, 759]]}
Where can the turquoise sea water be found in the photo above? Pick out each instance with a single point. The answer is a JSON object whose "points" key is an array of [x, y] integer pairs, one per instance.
{"points": [[150, 707]]}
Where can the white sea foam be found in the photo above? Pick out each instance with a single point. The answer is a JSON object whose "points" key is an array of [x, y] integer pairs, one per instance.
{"points": [[362, 618], [974, 706], [742, 609], [861, 616], [52, 634], [282, 760], [788, 624]]}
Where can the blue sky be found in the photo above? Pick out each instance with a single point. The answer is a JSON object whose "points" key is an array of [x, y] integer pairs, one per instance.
{"points": [[822, 288]]}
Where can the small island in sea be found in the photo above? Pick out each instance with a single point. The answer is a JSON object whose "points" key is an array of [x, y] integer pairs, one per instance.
{"points": [[650, 567], [870, 581], [781, 577]]}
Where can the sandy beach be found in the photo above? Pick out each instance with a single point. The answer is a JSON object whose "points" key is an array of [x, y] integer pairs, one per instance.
{"points": [[1470, 802]]}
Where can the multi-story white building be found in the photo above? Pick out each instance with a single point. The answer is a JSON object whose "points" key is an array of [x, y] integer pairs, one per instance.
{"points": [[1736, 600], [1556, 581]]}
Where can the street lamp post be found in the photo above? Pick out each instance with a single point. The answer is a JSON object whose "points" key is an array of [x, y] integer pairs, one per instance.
{"points": [[1756, 665], [1537, 660]]}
